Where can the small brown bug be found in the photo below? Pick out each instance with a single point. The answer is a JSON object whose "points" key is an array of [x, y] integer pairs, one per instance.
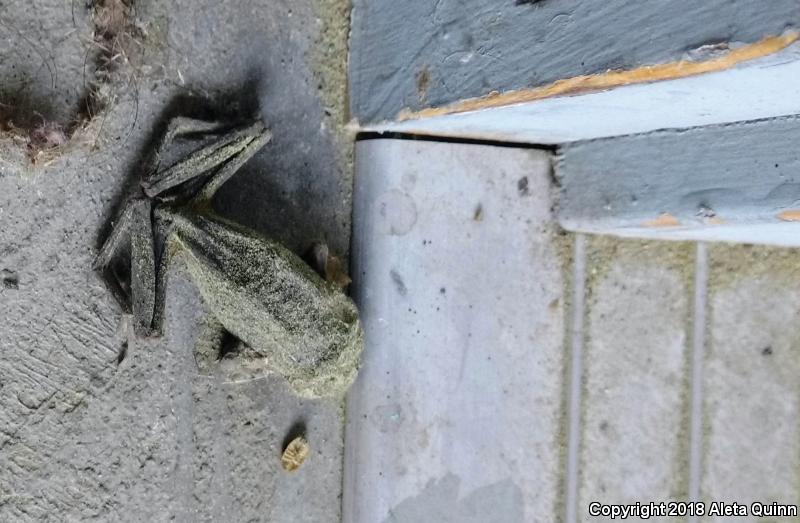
{"points": [[295, 454]]}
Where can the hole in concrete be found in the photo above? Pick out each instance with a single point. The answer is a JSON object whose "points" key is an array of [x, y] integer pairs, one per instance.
{"points": [[10, 279]]}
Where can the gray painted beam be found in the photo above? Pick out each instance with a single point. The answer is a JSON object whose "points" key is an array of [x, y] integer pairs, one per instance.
{"points": [[762, 88], [737, 182], [420, 53]]}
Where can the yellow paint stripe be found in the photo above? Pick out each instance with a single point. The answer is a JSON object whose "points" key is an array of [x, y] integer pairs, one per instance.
{"points": [[599, 82]]}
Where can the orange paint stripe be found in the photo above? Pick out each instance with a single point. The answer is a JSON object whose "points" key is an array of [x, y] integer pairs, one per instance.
{"points": [[664, 220], [597, 82], [790, 216]]}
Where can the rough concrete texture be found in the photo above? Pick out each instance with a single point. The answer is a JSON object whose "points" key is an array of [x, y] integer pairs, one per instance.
{"points": [[44, 54], [636, 380], [456, 413], [98, 425], [752, 378], [419, 53]]}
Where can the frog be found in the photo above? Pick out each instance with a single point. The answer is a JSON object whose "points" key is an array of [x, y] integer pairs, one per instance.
{"points": [[305, 329]]}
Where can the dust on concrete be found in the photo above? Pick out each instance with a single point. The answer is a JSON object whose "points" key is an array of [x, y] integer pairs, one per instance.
{"points": [[752, 367], [602, 254], [729, 264], [329, 58], [329, 61], [604, 251]]}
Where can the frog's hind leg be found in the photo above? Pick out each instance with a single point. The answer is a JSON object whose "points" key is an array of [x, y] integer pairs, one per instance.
{"points": [[227, 149], [135, 223]]}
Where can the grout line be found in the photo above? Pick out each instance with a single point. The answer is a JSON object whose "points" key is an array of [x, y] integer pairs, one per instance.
{"points": [[698, 356], [575, 383]]}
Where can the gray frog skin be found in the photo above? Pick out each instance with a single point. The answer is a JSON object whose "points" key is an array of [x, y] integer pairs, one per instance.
{"points": [[306, 329]]}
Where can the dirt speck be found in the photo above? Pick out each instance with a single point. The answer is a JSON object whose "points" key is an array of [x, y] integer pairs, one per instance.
{"points": [[423, 81], [522, 186], [478, 214], [398, 282]]}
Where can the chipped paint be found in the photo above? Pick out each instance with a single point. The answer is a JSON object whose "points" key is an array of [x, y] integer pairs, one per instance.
{"points": [[612, 79], [664, 220], [792, 215]]}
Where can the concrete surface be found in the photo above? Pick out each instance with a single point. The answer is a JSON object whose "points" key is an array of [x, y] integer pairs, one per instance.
{"points": [[636, 379], [418, 53], [85, 433], [678, 365], [752, 378], [456, 413], [756, 89], [725, 183]]}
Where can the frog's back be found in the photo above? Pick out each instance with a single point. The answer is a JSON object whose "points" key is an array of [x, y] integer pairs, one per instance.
{"points": [[263, 294]]}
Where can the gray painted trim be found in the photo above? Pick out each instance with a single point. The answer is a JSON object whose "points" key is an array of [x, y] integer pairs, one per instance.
{"points": [[762, 88], [725, 183], [422, 53]]}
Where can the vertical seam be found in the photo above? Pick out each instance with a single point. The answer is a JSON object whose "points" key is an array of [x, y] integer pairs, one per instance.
{"points": [[698, 357], [575, 378]]}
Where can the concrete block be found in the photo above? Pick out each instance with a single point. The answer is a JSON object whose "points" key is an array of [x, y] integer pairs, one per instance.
{"points": [[456, 414], [636, 385], [752, 379]]}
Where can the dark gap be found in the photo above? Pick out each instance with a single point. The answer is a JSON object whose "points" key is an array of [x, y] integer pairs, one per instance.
{"points": [[372, 135]]}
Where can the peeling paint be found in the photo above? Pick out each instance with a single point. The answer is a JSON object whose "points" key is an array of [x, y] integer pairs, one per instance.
{"points": [[792, 215], [612, 79], [663, 220]]}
